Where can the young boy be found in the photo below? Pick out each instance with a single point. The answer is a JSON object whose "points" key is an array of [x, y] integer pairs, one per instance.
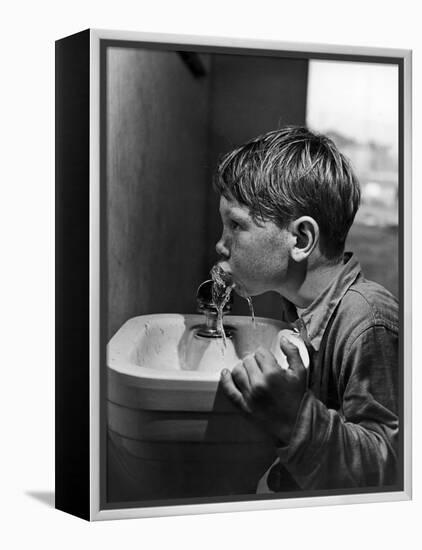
{"points": [[288, 200]]}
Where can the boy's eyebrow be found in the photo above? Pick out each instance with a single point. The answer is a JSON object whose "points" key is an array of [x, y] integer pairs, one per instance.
{"points": [[235, 212]]}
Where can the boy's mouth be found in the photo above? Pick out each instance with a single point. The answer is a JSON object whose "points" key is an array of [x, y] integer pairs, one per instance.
{"points": [[225, 272], [230, 280]]}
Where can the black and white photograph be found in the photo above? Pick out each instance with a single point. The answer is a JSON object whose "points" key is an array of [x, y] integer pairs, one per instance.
{"points": [[251, 274], [210, 283]]}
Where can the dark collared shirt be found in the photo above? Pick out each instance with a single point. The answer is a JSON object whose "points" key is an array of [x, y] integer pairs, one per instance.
{"points": [[346, 432]]}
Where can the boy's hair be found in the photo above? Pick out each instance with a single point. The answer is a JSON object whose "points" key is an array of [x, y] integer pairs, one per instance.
{"points": [[294, 172]]}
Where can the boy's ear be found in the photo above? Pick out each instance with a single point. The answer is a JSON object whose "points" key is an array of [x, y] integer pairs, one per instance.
{"points": [[306, 231]]}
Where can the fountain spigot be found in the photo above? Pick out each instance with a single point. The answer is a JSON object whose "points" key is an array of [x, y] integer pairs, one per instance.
{"points": [[206, 305], [205, 300]]}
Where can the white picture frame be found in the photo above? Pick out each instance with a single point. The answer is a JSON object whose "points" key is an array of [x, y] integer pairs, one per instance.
{"points": [[81, 59]]}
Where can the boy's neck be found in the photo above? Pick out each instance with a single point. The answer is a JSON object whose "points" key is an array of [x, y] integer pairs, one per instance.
{"points": [[306, 288]]}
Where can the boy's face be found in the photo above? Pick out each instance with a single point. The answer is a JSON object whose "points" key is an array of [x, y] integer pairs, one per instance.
{"points": [[257, 256]]}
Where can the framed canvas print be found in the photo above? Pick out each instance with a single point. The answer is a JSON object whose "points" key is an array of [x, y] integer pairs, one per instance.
{"points": [[233, 274]]}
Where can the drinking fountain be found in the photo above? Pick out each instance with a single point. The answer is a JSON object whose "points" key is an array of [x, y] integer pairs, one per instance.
{"points": [[172, 433]]}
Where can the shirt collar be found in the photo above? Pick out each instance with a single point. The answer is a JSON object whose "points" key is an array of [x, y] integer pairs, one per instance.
{"points": [[314, 319]]}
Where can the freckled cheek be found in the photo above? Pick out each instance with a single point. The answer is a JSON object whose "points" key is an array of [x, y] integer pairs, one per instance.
{"points": [[248, 262], [265, 262]]}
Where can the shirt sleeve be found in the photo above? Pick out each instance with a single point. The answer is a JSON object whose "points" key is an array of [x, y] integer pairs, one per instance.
{"points": [[355, 446]]}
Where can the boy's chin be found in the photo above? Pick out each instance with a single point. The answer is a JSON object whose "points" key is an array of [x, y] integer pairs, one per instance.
{"points": [[245, 292], [240, 292]]}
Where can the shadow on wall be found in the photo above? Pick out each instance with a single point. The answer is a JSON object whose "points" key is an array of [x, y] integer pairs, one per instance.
{"points": [[251, 95]]}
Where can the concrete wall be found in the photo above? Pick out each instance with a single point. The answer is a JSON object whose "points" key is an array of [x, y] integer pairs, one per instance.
{"points": [[251, 95], [157, 178], [166, 129]]}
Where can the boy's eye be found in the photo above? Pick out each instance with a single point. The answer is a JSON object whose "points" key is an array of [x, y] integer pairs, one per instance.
{"points": [[234, 224]]}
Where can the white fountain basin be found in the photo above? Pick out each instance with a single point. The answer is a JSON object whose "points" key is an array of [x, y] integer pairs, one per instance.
{"points": [[172, 432]]}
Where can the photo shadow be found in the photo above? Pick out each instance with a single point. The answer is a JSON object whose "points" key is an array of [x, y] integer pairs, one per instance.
{"points": [[45, 497]]}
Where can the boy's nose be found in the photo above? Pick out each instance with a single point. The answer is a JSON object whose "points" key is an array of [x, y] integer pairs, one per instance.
{"points": [[222, 249]]}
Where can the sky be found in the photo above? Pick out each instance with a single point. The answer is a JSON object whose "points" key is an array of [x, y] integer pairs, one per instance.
{"points": [[359, 100]]}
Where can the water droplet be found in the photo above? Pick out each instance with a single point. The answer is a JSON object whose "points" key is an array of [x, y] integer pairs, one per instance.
{"points": [[250, 304]]}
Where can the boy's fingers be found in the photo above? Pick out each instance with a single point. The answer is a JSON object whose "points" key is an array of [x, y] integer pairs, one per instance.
{"points": [[241, 380], [265, 360], [254, 372], [292, 353], [232, 391]]}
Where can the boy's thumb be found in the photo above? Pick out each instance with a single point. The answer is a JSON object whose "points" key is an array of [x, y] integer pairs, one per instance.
{"points": [[291, 351]]}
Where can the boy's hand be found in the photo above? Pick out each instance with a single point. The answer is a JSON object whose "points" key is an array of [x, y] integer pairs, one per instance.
{"points": [[270, 394]]}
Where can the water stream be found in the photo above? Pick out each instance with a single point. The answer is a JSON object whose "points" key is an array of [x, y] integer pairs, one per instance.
{"points": [[250, 304], [221, 289]]}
